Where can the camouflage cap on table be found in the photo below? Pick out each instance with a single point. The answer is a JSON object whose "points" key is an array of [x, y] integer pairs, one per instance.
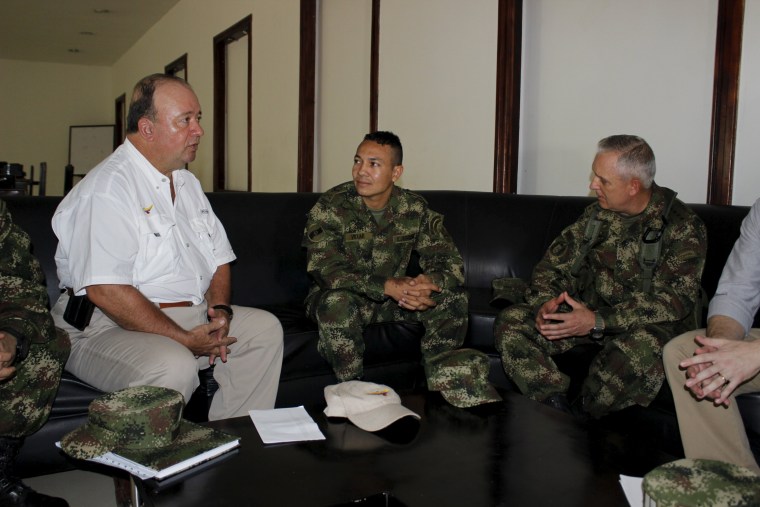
{"points": [[136, 420], [462, 377], [698, 482]]}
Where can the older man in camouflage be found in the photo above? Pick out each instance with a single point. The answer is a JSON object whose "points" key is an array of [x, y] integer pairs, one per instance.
{"points": [[32, 355], [360, 237], [625, 276]]}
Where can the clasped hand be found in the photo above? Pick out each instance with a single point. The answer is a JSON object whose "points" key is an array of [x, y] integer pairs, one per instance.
{"points": [[212, 339], [7, 355], [412, 294], [719, 366], [555, 325]]}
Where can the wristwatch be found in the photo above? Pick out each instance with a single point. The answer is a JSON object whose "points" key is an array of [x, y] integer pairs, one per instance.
{"points": [[597, 332], [224, 308]]}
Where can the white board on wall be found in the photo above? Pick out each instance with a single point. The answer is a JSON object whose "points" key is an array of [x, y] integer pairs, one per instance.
{"points": [[89, 145]]}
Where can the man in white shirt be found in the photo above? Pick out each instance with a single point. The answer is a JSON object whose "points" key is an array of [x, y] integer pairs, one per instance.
{"points": [[138, 237]]}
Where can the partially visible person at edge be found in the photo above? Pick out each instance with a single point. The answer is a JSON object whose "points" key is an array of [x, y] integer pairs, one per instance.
{"points": [[32, 355], [593, 287], [360, 237], [708, 368], [137, 237]]}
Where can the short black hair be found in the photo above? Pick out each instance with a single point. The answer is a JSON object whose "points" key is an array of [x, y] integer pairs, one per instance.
{"points": [[141, 104], [387, 138]]}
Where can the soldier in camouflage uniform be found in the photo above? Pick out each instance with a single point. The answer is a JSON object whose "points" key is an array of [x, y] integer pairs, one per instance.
{"points": [[359, 238], [32, 355], [593, 287]]}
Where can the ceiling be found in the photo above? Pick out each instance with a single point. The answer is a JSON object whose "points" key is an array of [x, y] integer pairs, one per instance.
{"points": [[101, 30]]}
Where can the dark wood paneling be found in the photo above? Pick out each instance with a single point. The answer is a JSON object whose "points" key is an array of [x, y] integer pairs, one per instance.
{"points": [[728, 52], [306, 96], [374, 65], [508, 77]]}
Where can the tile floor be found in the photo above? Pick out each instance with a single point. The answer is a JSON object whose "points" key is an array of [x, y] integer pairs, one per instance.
{"points": [[79, 488]]}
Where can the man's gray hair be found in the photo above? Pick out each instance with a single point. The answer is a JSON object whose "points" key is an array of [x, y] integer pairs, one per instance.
{"points": [[635, 159]]}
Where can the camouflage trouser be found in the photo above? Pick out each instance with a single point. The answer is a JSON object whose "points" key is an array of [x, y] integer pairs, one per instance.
{"points": [[627, 370], [342, 315], [28, 396]]}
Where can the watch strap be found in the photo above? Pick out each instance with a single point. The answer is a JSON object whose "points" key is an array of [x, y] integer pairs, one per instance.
{"points": [[225, 308]]}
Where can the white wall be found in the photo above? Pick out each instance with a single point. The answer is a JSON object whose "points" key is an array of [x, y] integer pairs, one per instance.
{"points": [[437, 89], [343, 70], [190, 28], [38, 103], [592, 68]]}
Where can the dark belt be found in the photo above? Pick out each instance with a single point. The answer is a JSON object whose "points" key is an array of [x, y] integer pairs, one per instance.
{"points": [[175, 305]]}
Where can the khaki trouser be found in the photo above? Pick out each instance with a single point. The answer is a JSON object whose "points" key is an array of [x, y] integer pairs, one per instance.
{"points": [[111, 358], [708, 431]]}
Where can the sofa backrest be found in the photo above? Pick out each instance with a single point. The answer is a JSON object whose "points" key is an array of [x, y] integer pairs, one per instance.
{"points": [[498, 234]]}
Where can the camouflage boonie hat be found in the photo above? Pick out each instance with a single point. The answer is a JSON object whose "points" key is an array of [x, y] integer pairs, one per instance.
{"points": [[693, 482], [136, 422], [462, 377]]}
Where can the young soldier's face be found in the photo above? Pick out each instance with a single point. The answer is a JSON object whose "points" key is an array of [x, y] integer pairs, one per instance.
{"points": [[374, 173]]}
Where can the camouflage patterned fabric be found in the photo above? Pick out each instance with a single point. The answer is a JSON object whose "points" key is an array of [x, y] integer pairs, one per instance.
{"points": [[628, 369], [698, 482], [349, 258], [28, 395], [144, 424], [461, 377]]}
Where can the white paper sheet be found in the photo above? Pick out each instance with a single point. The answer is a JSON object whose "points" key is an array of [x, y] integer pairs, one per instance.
{"points": [[632, 490], [285, 425]]}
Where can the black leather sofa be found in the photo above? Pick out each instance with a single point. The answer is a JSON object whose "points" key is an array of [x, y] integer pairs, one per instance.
{"points": [[499, 236]]}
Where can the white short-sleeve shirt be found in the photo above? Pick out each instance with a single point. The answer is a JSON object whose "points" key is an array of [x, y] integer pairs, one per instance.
{"points": [[119, 226]]}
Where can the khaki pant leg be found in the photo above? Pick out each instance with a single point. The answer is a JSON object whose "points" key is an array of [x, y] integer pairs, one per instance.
{"points": [[250, 377], [707, 431]]}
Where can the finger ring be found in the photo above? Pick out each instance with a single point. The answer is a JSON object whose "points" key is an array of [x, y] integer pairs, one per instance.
{"points": [[725, 380]]}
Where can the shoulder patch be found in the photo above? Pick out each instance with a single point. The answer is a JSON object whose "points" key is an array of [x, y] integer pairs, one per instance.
{"points": [[436, 225], [315, 233]]}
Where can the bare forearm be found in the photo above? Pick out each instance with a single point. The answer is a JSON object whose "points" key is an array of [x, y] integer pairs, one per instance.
{"points": [[218, 292], [720, 326], [126, 306]]}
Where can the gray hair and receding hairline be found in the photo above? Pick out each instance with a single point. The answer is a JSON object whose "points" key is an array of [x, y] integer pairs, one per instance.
{"points": [[635, 157]]}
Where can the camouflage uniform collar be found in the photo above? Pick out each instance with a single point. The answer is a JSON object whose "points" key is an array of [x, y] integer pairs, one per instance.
{"points": [[356, 200], [653, 211]]}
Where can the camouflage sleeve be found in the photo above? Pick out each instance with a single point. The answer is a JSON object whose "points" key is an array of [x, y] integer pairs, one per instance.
{"points": [[675, 284], [552, 275], [23, 297], [439, 257], [326, 259]]}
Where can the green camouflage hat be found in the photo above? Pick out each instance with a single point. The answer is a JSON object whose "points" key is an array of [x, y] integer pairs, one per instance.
{"points": [[697, 482], [462, 377], [141, 423]]}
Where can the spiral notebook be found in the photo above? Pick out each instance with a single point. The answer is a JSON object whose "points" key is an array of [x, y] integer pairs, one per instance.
{"points": [[160, 464]]}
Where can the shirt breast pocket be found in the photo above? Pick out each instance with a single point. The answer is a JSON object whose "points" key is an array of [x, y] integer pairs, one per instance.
{"points": [[158, 255], [204, 238]]}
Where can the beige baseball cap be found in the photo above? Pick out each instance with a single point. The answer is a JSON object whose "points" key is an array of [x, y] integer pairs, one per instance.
{"points": [[369, 406]]}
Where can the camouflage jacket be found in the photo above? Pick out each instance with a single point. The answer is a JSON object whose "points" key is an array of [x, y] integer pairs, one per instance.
{"points": [[23, 297], [347, 249], [609, 279]]}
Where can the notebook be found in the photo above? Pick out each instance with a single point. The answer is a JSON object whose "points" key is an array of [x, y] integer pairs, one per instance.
{"points": [[161, 463]]}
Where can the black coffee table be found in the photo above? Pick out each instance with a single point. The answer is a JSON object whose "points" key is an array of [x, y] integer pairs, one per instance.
{"points": [[515, 453]]}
